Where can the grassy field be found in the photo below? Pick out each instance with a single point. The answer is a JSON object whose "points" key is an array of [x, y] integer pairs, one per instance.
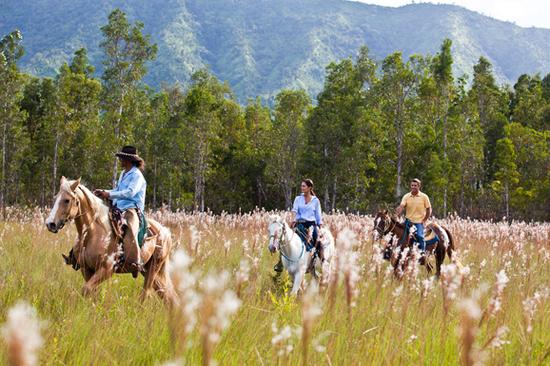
{"points": [[367, 317]]}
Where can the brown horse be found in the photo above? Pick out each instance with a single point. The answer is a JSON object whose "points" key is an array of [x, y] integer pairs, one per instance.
{"points": [[385, 224], [97, 249]]}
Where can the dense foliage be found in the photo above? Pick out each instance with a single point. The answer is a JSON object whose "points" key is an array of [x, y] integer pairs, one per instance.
{"points": [[481, 149]]}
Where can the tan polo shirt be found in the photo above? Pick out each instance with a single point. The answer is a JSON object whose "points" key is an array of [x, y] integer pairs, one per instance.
{"points": [[416, 206]]}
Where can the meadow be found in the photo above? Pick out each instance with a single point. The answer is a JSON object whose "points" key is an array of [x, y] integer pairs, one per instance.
{"points": [[494, 310]]}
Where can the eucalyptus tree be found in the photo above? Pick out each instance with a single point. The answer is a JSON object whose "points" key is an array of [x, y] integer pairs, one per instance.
{"points": [[11, 116], [127, 50], [288, 141]]}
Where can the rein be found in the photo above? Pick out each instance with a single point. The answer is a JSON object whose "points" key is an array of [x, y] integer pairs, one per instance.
{"points": [[285, 242]]}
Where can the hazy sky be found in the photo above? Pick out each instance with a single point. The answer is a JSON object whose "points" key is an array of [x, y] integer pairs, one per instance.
{"points": [[525, 13]]}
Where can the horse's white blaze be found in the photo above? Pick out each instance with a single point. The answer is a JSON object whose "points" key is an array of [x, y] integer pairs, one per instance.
{"points": [[53, 212]]}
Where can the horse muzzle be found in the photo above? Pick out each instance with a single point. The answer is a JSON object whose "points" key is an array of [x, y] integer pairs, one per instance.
{"points": [[53, 227]]}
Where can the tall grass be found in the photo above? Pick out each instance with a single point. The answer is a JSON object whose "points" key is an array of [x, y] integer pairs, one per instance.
{"points": [[375, 320]]}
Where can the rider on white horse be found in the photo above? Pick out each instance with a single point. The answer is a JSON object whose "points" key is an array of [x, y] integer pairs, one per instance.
{"points": [[307, 217]]}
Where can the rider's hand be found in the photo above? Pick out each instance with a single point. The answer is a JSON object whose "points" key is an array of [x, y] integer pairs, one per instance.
{"points": [[101, 193]]}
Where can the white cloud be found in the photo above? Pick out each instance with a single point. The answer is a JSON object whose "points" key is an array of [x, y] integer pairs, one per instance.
{"points": [[525, 13]]}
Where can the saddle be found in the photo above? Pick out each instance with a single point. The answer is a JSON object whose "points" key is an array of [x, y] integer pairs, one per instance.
{"points": [[430, 236], [119, 225]]}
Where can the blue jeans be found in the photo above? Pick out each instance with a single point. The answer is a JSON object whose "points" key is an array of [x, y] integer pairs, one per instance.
{"points": [[420, 236], [302, 231]]}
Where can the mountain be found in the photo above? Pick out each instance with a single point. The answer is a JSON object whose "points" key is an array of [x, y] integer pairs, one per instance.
{"points": [[261, 46]]}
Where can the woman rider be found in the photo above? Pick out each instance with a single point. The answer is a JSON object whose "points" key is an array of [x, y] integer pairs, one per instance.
{"points": [[307, 214]]}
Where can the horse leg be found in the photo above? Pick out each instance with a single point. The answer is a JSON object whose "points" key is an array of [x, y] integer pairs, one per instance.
{"points": [[297, 282], [86, 273], [439, 257], [151, 269], [162, 284], [103, 273], [326, 272]]}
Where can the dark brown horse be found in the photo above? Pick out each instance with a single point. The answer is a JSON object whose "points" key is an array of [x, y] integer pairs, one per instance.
{"points": [[384, 224]]}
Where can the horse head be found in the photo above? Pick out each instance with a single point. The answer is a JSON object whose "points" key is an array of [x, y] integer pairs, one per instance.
{"points": [[382, 223], [66, 205], [276, 230]]}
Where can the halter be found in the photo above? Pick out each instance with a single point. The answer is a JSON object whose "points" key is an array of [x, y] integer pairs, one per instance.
{"points": [[283, 241], [387, 225]]}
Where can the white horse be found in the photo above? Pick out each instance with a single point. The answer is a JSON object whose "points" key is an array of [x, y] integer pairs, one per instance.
{"points": [[324, 260], [294, 255]]}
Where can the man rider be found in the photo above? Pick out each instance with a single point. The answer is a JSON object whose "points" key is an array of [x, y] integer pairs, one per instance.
{"points": [[418, 211]]}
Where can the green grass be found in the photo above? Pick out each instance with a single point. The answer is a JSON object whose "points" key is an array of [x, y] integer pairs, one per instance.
{"points": [[114, 328]]}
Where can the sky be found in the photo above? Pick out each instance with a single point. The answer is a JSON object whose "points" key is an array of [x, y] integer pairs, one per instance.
{"points": [[525, 13]]}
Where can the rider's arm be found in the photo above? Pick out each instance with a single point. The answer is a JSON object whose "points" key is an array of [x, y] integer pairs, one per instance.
{"points": [[428, 214], [428, 206], [294, 212], [134, 186], [399, 210], [318, 216]]}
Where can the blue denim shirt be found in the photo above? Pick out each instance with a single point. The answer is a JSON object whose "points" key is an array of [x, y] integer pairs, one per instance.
{"points": [[307, 211], [130, 190]]}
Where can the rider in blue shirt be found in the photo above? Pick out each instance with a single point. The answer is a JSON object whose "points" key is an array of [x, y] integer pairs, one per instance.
{"points": [[129, 197]]}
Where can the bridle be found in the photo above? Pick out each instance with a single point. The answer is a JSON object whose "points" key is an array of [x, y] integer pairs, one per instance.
{"points": [[282, 243], [74, 201], [387, 226]]}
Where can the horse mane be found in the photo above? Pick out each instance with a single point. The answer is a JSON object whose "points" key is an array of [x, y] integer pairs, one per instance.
{"points": [[92, 201]]}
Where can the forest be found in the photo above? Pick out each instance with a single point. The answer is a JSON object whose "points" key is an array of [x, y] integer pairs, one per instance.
{"points": [[482, 150]]}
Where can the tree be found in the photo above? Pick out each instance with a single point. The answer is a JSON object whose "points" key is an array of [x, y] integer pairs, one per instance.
{"points": [[443, 75], [492, 108], [338, 132], [203, 103], [11, 115], [76, 119], [126, 52], [288, 141], [396, 89], [506, 176]]}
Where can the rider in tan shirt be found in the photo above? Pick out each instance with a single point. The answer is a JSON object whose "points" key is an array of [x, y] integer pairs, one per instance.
{"points": [[418, 210]]}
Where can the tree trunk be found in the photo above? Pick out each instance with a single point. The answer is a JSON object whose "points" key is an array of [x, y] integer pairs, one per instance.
{"points": [[462, 195], [507, 201], [117, 138], [399, 163], [55, 156], [4, 161], [333, 203], [155, 182], [445, 156]]}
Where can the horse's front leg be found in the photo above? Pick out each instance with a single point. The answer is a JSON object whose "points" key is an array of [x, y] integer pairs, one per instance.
{"points": [[102, 274], [298, 278]]}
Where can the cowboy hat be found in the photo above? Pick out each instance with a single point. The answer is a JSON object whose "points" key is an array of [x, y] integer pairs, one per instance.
{"points": [[129, 153]]}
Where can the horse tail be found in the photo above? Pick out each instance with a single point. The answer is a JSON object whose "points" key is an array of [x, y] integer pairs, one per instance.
{"points": [[451, 248]]}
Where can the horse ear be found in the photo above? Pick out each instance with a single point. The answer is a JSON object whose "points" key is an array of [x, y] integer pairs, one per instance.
{"points": [[75, 184], [63, 179]]}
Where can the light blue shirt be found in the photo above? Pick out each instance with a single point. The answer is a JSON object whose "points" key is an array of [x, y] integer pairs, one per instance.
{"points": [[130, 190], [307, 211]]}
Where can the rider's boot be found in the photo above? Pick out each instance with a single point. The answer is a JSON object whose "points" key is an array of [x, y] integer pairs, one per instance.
{"points": [[279, 266]]}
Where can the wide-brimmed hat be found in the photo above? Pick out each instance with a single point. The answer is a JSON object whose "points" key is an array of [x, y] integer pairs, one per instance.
{"points": [[129, 153]]}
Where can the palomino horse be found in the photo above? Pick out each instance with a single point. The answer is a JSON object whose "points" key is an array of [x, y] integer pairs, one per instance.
{"points": [[295, 257], [97, 248], [385, 224]]}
